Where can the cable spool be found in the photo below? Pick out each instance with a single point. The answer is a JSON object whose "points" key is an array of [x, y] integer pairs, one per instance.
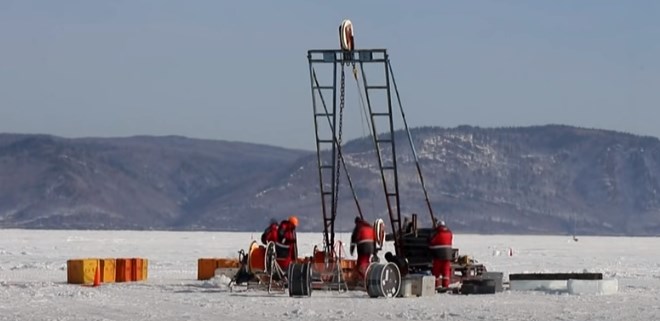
{"points": [[346, 35], [383, 280], [256, 258], [300, 279]]}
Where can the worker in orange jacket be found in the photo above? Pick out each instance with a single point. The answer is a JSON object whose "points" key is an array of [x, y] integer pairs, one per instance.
{"points": [[270, 233], [364, 239], [286, 246], [440, 243]]}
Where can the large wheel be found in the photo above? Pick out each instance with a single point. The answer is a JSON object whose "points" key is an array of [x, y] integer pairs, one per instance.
{"points": [[270, 257], [383, 280], [300, 279]]}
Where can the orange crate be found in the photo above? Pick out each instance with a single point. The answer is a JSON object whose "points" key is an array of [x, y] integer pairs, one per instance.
{"points": [[136, 269], [226, 263], [124, 270], [108, 270], [351, 276], [206, 268], [348, 264]]}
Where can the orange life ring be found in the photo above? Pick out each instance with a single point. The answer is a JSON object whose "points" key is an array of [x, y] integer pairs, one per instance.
{"points": [[379, 227]]}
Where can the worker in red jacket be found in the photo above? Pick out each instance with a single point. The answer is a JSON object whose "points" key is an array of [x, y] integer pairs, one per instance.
{"points": [[364, 239], [270, 233], [440, 243], [286, 246]]}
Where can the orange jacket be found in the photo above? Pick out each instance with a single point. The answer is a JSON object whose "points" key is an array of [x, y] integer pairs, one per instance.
{"points": [[286, 238], [270, 234], [286, 233], [442, 237], [363, 232]]}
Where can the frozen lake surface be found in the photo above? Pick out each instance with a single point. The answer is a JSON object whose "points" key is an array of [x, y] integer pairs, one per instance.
{"points": [[33, 280]]}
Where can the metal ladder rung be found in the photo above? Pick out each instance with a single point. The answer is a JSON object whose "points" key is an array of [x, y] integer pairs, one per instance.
{"points": [[326, 167], [323, 114], [391, 194], [380, 114], [327, 141], [383, 140], [376, 87]]}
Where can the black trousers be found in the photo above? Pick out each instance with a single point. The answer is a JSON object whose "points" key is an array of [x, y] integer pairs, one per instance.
{"points": [[443, 253]]}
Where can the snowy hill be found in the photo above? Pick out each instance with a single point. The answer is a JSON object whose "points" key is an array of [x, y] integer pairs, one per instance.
{"points": [[544, 180], [547, 180], [136, 182]]}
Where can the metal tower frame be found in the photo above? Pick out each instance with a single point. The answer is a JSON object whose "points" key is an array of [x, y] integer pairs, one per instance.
{"points": [[327, 108]]}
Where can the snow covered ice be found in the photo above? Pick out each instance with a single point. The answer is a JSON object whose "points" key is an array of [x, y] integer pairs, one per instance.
{"points": [[33, 280]]}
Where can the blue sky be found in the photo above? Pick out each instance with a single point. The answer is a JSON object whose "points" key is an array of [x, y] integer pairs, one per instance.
{"points": [[237, 70]]}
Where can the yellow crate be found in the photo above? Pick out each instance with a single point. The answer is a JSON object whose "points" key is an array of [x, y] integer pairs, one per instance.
{"points": [[145, 268], [81, 271], [139, 269], [108, 270]]}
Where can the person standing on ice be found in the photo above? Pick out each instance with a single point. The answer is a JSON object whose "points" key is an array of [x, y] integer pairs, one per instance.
{"points": [[286, 246], [440, 243], [364, 239], [270, 234]]}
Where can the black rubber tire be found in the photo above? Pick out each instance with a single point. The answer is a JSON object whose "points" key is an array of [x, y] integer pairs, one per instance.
{"points": [[300, 280], [468, 288], [486, 286]]}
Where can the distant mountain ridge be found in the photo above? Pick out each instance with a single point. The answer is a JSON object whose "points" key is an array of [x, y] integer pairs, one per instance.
{"points": [[137, 182], [549, 179]]}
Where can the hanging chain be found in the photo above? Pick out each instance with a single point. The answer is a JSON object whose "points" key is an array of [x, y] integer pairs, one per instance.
{"points": [[341, 106], [339, 137]]}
